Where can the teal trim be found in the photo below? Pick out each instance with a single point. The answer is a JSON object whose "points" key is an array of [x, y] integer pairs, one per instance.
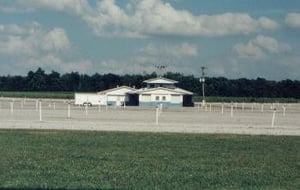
{"points": [[155, 104], [111, 103], [114, 103]]}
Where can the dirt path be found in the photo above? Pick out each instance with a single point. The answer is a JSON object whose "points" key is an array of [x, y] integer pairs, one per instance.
{"points": [[254, 119]]}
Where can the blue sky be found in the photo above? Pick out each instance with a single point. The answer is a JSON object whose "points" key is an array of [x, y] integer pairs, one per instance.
{"points": [[232, 38]]}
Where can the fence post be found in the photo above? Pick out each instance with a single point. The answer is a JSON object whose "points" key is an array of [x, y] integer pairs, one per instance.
{"points": [[99, 108], [222, 109], [40, 110], [11, 108], [273, 118], [86, 109], [160, 108], [69, 110], [283, 107], [231, 112], [37, 105], [157, 114], [22, 103]]}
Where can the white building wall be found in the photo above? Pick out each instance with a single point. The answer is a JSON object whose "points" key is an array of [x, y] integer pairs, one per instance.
{"points": [[117, 100], [176, 98], [81, 98], [161, 97]]}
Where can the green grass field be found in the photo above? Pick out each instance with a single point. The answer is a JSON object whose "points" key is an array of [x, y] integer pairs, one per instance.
{"points": [[111, 160]]}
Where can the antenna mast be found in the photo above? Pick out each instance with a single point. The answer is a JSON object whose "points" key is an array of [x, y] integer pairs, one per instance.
{"points": [[160, 69]]}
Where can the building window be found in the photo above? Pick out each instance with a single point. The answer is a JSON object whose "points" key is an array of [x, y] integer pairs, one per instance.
{"points": [[163, 98], [157, 98]]}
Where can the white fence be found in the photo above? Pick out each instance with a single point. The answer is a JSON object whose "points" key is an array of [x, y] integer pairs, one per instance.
{"points": [[241, 118]]}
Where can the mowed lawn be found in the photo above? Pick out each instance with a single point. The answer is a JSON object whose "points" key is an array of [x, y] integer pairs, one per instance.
{"points": [[112, 160]]}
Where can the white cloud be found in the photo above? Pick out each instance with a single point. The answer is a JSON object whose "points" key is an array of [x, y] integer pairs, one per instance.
{"points": [[270, 44], [56, 40], [249, 50], [144, 59], [142, 18], [179, 50], [30, 40], [293, 20], [12, 29], [261, 46], [30, 46], [267, 23], [77, 7], [6, 9], [53, 62]]}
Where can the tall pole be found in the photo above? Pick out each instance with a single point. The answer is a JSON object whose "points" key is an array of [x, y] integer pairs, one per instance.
{"points": [[202, 80], [203, 91]]}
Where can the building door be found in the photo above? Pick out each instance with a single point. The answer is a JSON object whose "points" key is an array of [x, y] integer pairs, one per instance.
{"points": [[188, 101]]}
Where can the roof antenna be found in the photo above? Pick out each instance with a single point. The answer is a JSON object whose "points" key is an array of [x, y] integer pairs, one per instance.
{"points": [[160, 69]]}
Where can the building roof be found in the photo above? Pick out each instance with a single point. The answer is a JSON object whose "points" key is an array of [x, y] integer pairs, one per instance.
{"points": [[161, 90], [122, 90], [160, 80]]}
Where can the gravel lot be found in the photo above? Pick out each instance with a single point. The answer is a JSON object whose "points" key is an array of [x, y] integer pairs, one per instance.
{"points": [[248, 118]]}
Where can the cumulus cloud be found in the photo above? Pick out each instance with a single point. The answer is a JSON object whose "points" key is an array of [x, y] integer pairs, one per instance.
{"points": [[30, 46], [293, 20], [261, 46], [249, 50], [144, 59], [56, 40], [53, 62], [179, 50], [267, 23], [30, 39], [271, 45], [7, 9], [142, 18], [78, 7]]}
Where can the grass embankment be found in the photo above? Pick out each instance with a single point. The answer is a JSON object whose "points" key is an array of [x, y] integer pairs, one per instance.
{"points": [[95, 160]]}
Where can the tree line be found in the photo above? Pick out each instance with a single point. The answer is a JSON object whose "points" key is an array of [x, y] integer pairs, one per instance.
{"points": [[214, 86]]}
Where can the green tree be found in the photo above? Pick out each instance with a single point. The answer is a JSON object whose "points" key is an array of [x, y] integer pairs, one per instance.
{"points": [[36, 81]]}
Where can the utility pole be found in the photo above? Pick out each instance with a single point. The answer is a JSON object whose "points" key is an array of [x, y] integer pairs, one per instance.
{"points": [[202, 80]]}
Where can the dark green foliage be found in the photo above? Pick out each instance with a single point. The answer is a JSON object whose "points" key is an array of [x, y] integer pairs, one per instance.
{"points": [[215, 86], [107, 160]]}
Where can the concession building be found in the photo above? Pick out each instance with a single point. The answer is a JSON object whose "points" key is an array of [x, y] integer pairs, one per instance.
{"points": [[158, 91]]}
